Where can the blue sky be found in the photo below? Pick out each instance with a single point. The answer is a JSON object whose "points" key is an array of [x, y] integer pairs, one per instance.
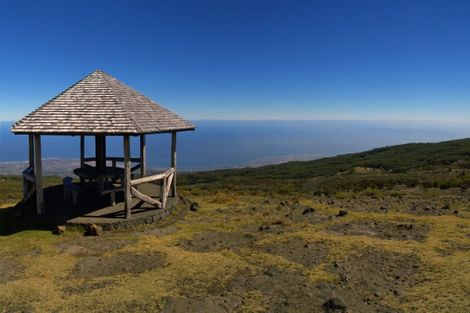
{"points": [[399, 60]]}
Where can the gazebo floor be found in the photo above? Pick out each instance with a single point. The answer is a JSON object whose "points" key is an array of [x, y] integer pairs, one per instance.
{"points": [[95, 209]]}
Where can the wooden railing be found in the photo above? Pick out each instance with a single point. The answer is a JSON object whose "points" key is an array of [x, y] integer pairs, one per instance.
{"points": [[115, 160], [166, 179]]}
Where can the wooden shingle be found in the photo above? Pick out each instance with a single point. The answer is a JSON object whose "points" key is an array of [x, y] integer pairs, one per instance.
{"points": [[100, 104]]}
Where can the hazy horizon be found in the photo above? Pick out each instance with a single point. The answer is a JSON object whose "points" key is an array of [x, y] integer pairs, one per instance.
{"points": [[227, 144]]}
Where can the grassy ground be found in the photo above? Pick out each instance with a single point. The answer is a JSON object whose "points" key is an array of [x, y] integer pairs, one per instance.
{"points": [[203, 260], [259, 244]]}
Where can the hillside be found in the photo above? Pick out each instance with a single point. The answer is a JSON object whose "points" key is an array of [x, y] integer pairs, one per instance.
{"points": [[387, 230], [395, 159]]}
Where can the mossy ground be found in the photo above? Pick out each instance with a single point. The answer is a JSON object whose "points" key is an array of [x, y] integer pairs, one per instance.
{"points": [[230, 274]]}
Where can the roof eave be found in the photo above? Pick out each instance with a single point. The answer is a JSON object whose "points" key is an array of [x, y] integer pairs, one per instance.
{"points": [[95, 133]]}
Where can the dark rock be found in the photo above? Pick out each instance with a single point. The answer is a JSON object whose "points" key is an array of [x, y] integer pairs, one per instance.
{"points": [[265, 228], [344, 277], [335, 305], [94, 230], [185, 201], [342, 213], [405, 226], [194, 206], [446, 207], [456, 212], [308, 211], [59, 230]]}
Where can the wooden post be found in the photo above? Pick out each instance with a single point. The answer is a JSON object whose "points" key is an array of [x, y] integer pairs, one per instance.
{"points": [[143, 155], [82, 150], [127, 177], [31, 150], [173, 162], [163, 194], [98, 153], [26, 183], [103, 152], [38, 174]]}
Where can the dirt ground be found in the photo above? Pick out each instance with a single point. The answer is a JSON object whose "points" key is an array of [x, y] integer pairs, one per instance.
{"points": [[10, 269], [245, 253], [382, 230]]}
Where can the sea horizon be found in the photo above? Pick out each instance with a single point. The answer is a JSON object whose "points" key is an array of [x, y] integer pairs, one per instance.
{"points": [[219, 144]]}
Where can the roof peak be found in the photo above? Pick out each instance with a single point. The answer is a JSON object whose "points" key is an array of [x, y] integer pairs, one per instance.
{"points": [[100, 103], [98, 71]]}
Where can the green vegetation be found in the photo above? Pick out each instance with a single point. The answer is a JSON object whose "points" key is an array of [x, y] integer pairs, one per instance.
{"points": [[443, 165], [12, 188]]}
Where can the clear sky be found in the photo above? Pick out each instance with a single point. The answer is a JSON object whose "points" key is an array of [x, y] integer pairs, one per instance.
{"points": [[246, 59]]}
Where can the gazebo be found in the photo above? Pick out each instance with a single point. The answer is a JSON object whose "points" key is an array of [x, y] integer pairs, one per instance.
{"points": [[99, 105]]}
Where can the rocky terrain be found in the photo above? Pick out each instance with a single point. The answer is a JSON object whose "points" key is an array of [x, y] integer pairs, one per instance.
{"points": [[361, 239]]}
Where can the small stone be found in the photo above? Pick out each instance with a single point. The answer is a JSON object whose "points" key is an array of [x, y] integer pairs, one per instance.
{"points": [[308, 211], [94, 230], [185, 201], [343, 277], [342, 213], [334, 305], [405, 226], [194, 206], [59, 230]]}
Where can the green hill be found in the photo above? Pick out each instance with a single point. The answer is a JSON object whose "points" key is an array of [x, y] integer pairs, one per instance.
{"points": [[406, 163]]}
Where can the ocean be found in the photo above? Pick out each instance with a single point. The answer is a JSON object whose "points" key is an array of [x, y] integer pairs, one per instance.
{"points": [[229, 144]]}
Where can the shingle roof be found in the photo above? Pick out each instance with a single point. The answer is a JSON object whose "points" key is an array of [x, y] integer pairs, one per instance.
{"points": [[100, 104]]}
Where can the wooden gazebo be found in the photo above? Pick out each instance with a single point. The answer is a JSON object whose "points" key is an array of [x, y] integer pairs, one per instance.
{"points": [[99, 105]]}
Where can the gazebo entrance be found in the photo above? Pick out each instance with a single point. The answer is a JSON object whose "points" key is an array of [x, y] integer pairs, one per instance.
{"points": [[101, 106]]}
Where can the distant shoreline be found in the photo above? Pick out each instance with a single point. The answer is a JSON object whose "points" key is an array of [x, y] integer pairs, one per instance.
{"points": [[65, 166]]}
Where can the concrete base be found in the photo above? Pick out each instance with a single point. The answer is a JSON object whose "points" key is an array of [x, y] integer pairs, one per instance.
{"points": [[92, 208], [113, 217]]}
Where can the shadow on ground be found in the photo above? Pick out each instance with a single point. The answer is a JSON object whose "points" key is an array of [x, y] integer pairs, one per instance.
{"points": [[58, 211]]}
